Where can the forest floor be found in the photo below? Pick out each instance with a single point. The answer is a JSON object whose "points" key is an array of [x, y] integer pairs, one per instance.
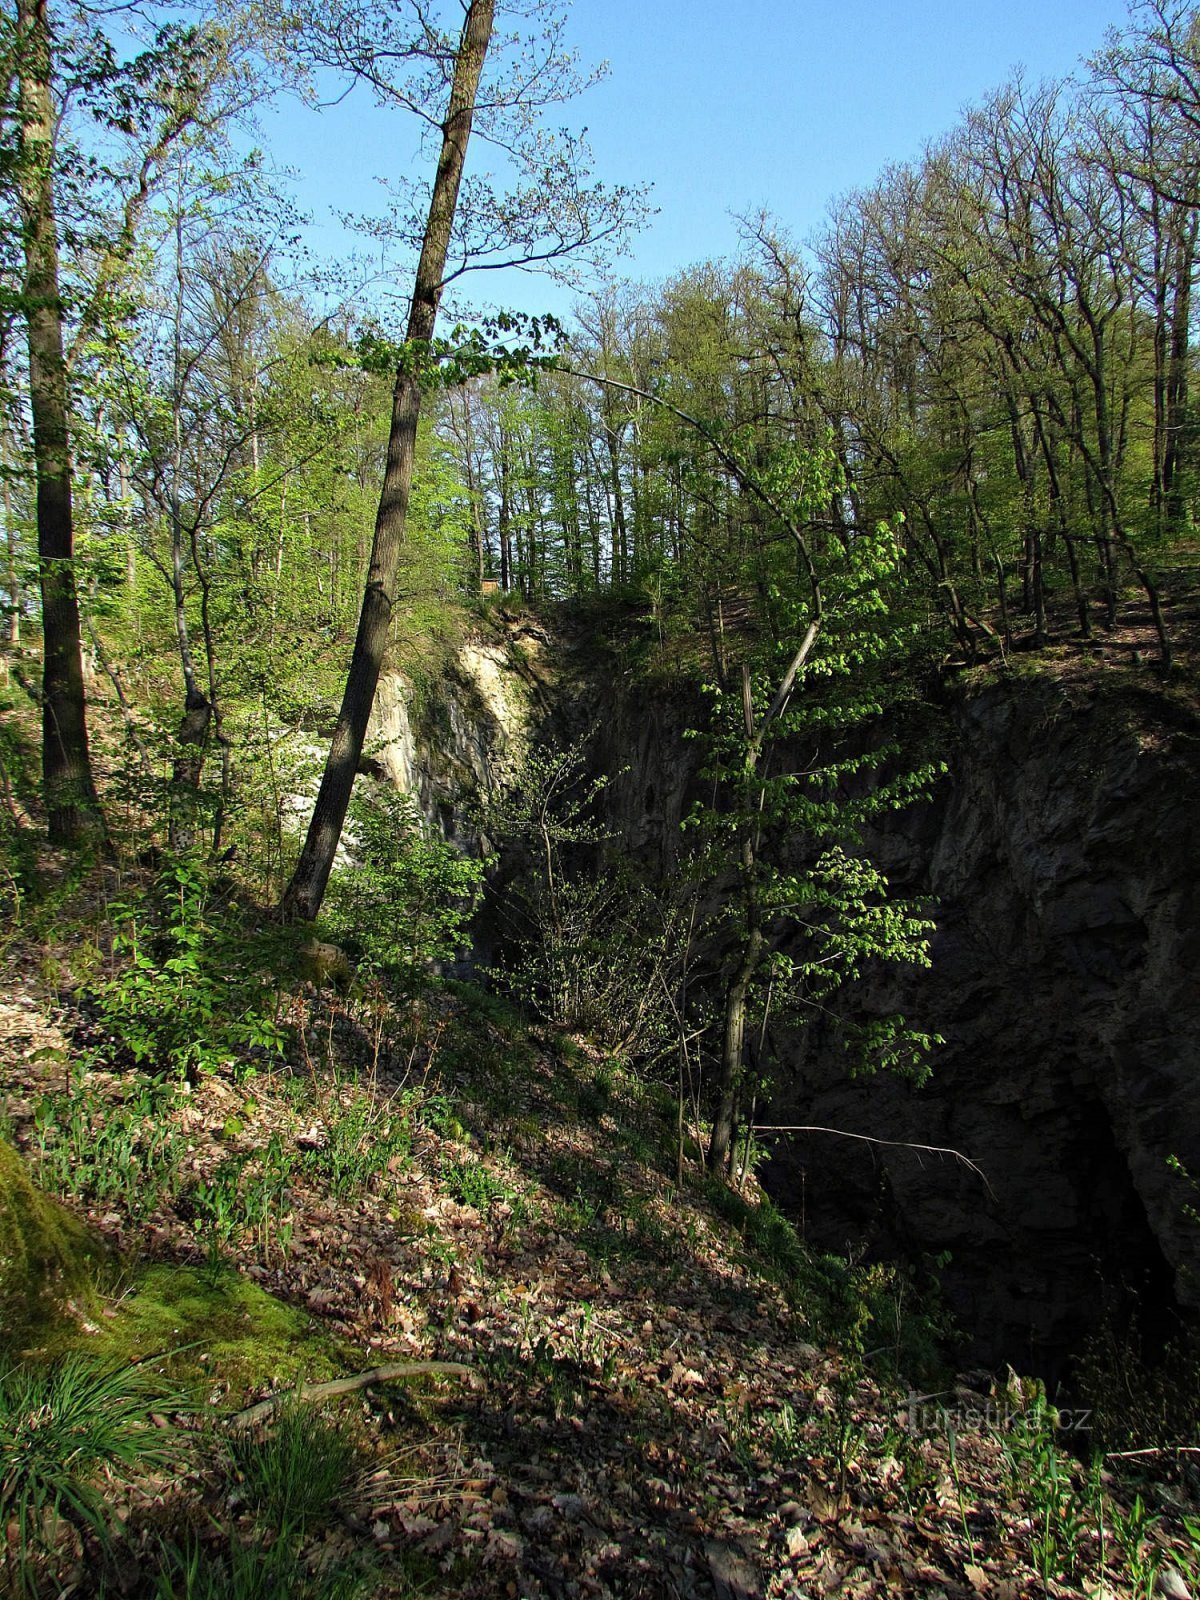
{"points": [[668, 1395]]}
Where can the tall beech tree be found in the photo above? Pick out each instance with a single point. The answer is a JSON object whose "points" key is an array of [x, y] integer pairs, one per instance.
{"points": [[550, 215], [70, 790], [306, 890], [137, 110]]}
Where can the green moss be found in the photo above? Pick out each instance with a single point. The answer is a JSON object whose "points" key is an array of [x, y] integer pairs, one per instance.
{"points": [[218, 1332], [48, 1260]]}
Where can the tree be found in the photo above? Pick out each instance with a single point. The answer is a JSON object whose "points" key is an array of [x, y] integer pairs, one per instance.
{"points": [[306, 890], [792, 761], [185, 385], [1149, 148], [494, 232], [145, 106], [815, 645], [70, 790]]}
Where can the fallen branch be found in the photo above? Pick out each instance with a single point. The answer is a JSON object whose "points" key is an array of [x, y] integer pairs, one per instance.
{"points": [[337, 1386], [896, 1144], [1154, 1450]]}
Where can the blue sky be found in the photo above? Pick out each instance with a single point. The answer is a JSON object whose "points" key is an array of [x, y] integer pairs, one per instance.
{"points": [[728, 108]]}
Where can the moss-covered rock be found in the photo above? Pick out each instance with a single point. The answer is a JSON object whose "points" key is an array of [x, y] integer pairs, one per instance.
{"points": [[48, 1259], [217, 1334]]}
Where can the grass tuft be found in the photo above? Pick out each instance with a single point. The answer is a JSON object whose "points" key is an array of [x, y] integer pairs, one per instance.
{"points": [[298, 1473], [61, 1427], [195, 1570]]}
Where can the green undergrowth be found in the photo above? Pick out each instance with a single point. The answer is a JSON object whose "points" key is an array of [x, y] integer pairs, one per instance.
{"points": [[63, 1428], [615, 1191], [540, 1132], [543, 1135], [247, 1519], [125, 1151]]}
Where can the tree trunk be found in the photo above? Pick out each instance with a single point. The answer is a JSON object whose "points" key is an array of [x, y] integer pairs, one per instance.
{"points": [[1173, 481], [620, 532], [72, 808], [504, 526], [733, 1048], [304, 894], [733, 1044], [13, 580]]}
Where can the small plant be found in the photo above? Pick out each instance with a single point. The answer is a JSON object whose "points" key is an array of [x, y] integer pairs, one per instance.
{"points": [[363, 1138], [563, 1377], [1191, 1562], [766, 1231], [917, 1464], [1041, 1481], [737, 1420], [952, 1461], [94, 1148], [247, 1197], [594, 1096], [1097, 1504], [60, 1428], [582, 1215], [784, 1433], [472, 1184], [586, 1341], [844, 1432], [1132, 1529]]}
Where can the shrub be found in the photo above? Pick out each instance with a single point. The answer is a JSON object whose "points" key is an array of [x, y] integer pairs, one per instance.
{"points": [[195, 991], [1141, 1400], [406, 904], [592, 945]]}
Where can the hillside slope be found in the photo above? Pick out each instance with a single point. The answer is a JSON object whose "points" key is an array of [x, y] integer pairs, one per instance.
{"points": [[669, 1396]]}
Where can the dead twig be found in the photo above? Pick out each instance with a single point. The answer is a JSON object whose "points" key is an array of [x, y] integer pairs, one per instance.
{"points": [[360, 1380], [1154, 1450], [895, 1144]]}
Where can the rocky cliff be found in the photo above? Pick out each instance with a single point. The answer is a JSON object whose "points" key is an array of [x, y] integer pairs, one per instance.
{"points": [[1062, 850], [1062, 853], [444, 746], [465, 737]]}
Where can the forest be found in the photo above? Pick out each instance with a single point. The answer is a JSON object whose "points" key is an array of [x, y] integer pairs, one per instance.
{"points": [[467, 781]]}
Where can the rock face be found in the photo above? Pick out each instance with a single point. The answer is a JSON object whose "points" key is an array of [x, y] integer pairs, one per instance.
{"points": [[466, 737], [463, 741], [472, 733], [1063, 851]]}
